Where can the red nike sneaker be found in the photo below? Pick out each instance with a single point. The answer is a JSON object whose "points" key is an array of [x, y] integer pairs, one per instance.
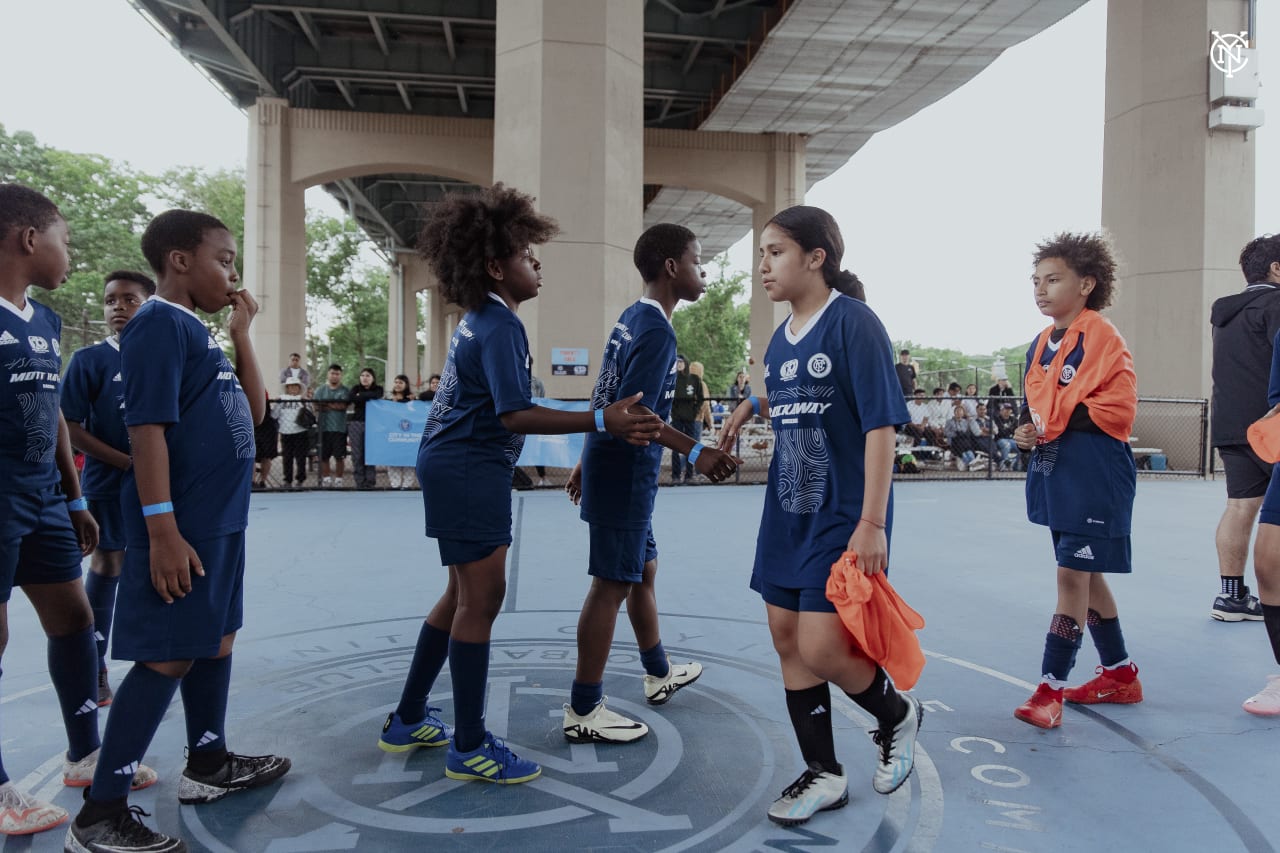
{"points": [[1118, 686], [1043, 709]]}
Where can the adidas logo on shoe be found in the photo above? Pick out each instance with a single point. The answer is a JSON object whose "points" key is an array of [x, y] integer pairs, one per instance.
{"points": [[89, 706], [1085, 553], [206, 739]]}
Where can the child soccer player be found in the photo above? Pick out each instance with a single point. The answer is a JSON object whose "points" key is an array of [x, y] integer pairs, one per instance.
{"points": [[480, 247], [835, 403], [45, 524], [93, 403], [1082, 397], [190, 416], [617, 483]]}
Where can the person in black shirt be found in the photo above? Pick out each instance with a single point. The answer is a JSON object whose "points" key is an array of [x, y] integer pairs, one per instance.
{"points": [[366, 476], [906, 373]]}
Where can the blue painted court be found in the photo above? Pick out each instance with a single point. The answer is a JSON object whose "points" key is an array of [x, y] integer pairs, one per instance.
{"points": [[339, 582]]}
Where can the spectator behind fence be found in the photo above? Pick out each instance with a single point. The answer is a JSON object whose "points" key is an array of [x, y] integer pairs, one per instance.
{"points": [[1000, 393], [740, 390], [399, 476], [293, 432], [433, 384], [704, 414], [537, 389], [986, 444], [366, 476], [1006, 422], [940, 408], [906, 373], [962, 433], [922, 428], [266, 438], [684, 415], [331, 403], [296, 371], [970, 400]]}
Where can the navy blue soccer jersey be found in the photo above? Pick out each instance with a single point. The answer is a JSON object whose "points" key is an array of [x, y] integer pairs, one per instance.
{"points": [[175, 374], [466, 457], [31, 355], [620, 480], [93, 395], [829, 384], [1084, 481]]}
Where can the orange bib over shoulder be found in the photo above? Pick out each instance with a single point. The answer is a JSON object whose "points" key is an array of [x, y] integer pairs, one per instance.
{"points": [[1264, 438], [881, 623], [1104, 380]]}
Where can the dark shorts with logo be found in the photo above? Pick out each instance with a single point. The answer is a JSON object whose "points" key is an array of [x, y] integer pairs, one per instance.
{"points": [[620, 555], [1092, 553], [1247, 475], [37, 542]]}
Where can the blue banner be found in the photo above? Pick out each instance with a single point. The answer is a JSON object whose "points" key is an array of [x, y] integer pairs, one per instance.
{"points": [[392, 432]]}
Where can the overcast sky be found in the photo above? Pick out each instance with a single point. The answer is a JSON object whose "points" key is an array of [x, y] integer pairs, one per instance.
{"points": [[939, 213]]}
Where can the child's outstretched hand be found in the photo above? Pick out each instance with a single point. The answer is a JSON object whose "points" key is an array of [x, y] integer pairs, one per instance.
{"points": [[243, 309], [715, 464], [573, 488], [637, 428], [731, 425]]}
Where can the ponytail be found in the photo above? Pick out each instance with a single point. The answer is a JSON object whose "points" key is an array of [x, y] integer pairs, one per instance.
{"points": [[850, 285]]}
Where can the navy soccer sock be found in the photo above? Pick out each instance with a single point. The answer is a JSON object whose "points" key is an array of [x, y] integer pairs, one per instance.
{"points": [[655, 661], [429, 656], [73, 668], [204, 701], [4, 777], [140, 703], [584, 697], [1107, 638], [810, 711], [1060, 647], [102, 598], [1271, 617], [469, 665], [881, 700]]}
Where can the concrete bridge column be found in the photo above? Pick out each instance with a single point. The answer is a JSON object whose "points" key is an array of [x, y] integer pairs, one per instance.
{"points": [[402, 325], [275, 238], [784, 186], [1177, 198], [569, 130]]}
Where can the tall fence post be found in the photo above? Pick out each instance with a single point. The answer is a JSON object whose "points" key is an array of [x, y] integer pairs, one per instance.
{"points": [[1205, 451]]}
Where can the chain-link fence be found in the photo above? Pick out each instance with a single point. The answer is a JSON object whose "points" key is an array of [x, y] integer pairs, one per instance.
{"points": [[1170, 439]]}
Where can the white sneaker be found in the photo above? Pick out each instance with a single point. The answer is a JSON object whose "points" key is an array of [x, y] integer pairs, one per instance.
{"points": [[21, 814], [79, 774], [897, 749], [1266, 702], [816, 790], [326, 483], [658, 690], [601, 726]]}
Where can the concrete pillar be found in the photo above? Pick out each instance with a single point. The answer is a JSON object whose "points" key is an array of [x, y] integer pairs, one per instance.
{"points": [[569, 130], [441, 320], [275, 249], [1177, 199], [784, 187]]}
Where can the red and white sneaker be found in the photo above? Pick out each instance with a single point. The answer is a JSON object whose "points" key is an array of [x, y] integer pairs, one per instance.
{"points": [[1266, 702], [1117, 686], [1043, 709], [22, 814]]}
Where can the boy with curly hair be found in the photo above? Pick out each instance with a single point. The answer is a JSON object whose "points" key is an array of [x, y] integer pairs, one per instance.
{"points": [[1082, 396], [480, 247]]}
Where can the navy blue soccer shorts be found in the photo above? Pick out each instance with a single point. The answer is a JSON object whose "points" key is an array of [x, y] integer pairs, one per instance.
{"points": [[455, 552], [1270, 513], [619, 555], [795, 599], [1092, 553], [110, 523], [37, 542], [147, 629]]}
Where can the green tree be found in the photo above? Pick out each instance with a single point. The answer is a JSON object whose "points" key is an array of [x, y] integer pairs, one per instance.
{"points": [[345, 295], [715, 329], [101, 201]]}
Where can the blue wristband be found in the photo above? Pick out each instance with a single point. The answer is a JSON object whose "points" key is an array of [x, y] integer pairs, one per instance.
{"points": [[755, 405], [695, 453], [77, 504], [600, 421], [157, 509]]}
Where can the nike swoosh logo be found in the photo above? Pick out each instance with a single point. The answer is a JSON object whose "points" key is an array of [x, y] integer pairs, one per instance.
{"points": [[1103, 694]]}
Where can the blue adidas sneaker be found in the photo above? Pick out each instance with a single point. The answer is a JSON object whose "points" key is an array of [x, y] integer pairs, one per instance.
{"points": [[399, 736], [491, 762]]}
